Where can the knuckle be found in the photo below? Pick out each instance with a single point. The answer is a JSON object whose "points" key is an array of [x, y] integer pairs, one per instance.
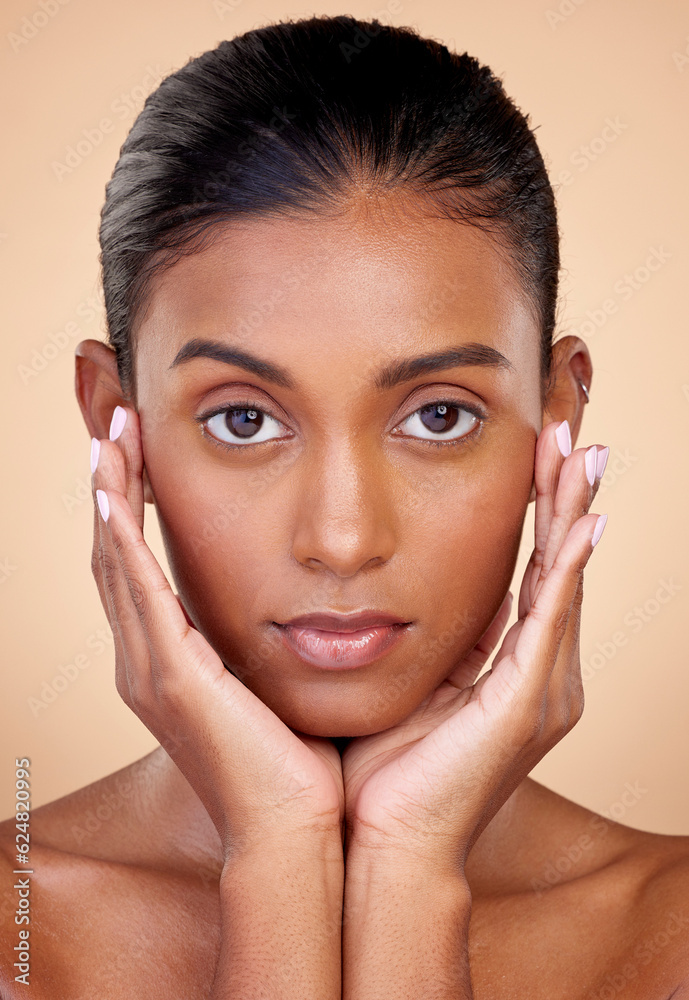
{"points": [[138, 595], [131, 689], [108, 568], [529, 727], [167, 689], [560, 623], [122, 686], [575, 714], [578, 703]]}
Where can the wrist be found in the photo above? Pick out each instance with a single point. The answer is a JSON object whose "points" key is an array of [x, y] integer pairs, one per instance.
{"points": [[324, 843], [409, 850], [405, 927], [403, 868], [280, 915]]}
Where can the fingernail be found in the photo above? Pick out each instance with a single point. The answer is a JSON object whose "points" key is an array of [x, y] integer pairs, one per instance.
{"points": [[103, 505], [119, 419], [598, 530], [95, 452], [564, 438], [590, 462], [602, 462]]}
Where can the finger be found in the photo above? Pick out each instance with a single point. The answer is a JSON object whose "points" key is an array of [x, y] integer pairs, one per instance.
{"points": [[565, 695], [553, 445], [471, 665], [530, 663], [125, 428], [163, 638], [575, 490], [525, 589], [131, 647], [104, 565]]}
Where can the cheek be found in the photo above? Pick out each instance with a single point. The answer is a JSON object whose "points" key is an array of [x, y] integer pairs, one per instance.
{"points": [[464, 535], [216, 548]]}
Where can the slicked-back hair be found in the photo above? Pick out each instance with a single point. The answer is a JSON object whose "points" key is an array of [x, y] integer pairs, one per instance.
{"points": [[300, 116]]}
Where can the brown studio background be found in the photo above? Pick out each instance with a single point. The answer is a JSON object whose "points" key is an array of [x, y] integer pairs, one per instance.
{"points": [[608, 86]]}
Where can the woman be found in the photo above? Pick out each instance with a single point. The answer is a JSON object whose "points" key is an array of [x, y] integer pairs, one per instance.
{"points": [[330, 263]]}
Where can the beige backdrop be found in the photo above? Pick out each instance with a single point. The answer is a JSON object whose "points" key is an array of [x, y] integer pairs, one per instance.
{"points": [[607, 83]]}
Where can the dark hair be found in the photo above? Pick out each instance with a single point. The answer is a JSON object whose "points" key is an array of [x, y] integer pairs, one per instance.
{"points": [[299, 115]]}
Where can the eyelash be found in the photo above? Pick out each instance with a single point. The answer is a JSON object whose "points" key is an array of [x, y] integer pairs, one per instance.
{"points": [[466, 439]]}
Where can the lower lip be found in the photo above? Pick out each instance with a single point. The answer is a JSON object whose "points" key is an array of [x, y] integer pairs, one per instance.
{"points": [[338, 650]]}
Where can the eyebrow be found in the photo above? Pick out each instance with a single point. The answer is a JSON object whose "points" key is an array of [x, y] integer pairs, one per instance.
{"points": [[395, 373]]}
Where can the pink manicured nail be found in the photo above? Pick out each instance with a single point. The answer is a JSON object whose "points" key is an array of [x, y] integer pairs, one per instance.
{"points": [[598, 530], [103, 505], [119, 419], [95, 452], [602, 462], [590, 462], [564, 438]]}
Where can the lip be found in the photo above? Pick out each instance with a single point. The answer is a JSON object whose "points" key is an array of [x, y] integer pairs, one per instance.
{"points": [[330, 621], [338, 642]]}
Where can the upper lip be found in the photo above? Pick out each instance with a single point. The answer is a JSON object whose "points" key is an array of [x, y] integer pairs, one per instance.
{"points": [[331, 622]]}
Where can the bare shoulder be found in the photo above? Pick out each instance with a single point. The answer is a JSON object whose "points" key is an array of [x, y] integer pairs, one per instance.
{"points": [[587, 887], [99, 820], [663, 905], [111, 902]]}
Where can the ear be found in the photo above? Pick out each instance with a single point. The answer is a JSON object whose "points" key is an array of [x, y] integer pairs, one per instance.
{"points": [[99, 391], [566, 399]]}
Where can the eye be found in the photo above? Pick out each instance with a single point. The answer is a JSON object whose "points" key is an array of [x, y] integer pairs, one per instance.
{"points": [[443, 422], [238, 426]]}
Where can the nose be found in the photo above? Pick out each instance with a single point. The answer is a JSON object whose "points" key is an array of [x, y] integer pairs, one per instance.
{"points": [[344, 520]]}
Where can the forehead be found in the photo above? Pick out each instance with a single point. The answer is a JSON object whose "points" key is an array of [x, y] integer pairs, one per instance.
{"points": [[383, 275]]}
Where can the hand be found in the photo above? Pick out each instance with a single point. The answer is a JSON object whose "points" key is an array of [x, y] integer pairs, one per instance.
{"points": [[256, 777], [432, 783]]}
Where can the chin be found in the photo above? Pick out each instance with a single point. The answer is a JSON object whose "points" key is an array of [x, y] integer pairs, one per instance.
{"points": [[340, 722]]}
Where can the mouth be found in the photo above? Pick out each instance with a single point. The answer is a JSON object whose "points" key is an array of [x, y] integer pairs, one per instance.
{"points": [[334, 642]]}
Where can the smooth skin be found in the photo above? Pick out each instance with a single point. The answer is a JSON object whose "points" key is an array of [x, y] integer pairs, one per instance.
{"points": [[400, 788]]}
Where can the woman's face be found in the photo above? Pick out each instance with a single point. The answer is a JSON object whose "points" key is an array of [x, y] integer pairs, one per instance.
{"points": [[341, 485]]}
